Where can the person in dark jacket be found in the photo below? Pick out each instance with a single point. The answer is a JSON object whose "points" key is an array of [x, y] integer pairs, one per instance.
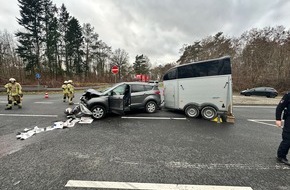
{"points": [[284, 107], [127, 96]]}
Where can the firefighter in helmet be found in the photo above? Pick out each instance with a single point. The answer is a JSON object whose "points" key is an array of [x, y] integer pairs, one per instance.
{"points": [[14, 91], [65, 91], [71, 91]]}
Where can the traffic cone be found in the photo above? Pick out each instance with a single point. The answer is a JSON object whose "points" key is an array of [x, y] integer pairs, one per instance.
{"points": [[46, 95]]}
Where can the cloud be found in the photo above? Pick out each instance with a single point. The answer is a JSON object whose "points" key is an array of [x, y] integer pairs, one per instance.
{"points": [[158, 29]]}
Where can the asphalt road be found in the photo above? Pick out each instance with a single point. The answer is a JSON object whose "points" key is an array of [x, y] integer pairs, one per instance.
{"points": [[164, 149]]}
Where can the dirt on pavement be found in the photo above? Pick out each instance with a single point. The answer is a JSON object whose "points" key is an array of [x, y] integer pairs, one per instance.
{"points": [[255, 100]]}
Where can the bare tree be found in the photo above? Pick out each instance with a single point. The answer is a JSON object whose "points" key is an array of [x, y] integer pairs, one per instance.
{"points": [[10, 64], [120, 58]]}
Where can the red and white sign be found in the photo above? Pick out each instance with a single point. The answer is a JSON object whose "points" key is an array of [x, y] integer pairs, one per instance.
{"points": [[115, 69]]}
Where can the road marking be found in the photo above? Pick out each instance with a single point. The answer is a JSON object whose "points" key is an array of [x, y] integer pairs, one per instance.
{"points": [[262, 121], [158, 118], [25, 115], [148, 186], [43, 102]]}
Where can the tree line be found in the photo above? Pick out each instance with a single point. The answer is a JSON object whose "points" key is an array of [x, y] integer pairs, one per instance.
{"points": [[260, 57], [53, 43]]}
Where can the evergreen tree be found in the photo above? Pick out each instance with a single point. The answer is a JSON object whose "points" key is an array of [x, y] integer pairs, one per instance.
{"points": [[73, 41], [63, 28], [30, 39], [51, 38], [141, 64]]}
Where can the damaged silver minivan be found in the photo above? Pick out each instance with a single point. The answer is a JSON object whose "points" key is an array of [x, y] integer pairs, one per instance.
{"points": [[122, 97]]}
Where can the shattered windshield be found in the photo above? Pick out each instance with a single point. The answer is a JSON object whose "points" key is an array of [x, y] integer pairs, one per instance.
{"points": [[107, 90]]}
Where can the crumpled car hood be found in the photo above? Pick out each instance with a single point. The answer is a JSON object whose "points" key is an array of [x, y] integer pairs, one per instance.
{"points": [[94, 93]]}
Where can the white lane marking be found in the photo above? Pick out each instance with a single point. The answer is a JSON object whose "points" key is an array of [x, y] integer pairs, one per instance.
{"points": [[148, 186], [43, 102], [3, 102], [262, 121], [26, 115], [158, 118]]}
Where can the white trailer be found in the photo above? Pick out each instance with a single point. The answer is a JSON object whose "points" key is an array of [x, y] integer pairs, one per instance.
{"points": [[201, 88]]}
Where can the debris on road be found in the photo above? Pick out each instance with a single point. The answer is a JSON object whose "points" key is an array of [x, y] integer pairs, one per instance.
{"points": [[78, 114], [86, 120], [26, 133]]}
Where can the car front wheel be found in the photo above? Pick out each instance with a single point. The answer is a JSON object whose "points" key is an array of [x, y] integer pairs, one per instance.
{"points": [[98, 111], [151, 107]]}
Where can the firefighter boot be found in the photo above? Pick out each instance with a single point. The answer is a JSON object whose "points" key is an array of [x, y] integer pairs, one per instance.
{"points": [[8, 107]]}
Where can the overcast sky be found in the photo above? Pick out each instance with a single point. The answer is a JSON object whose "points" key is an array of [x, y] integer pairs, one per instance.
{"points": [[159, 28]]}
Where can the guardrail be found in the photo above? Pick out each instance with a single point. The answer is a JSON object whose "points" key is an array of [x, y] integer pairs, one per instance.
{"points": [[29, 88], [43, 88]]}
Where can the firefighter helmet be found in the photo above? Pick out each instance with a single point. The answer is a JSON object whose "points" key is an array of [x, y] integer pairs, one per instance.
{"points": [[12, 80]]}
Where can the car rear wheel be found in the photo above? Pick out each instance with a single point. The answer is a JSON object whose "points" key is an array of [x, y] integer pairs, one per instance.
{"points": [[151, 107], [208, 113], [191, 111], [98, 111], [271, 96]]}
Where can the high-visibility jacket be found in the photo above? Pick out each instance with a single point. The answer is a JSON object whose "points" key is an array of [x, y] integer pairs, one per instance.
{"points": [[71, 89], [64, 88], [8, 87], [13, 89]]}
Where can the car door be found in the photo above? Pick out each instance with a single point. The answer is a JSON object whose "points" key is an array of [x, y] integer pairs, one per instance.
{"points": [[269, 92], [266, 92], [254, 92], [260, 91], [116, 99], [137, 95]]}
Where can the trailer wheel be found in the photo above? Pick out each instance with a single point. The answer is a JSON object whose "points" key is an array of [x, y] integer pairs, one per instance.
{"points": [[208, 113], [191, 111]]}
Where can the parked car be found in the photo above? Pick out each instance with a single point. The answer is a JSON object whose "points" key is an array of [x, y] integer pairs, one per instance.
{"points": [[261, 91], [122, 97], [153, 82]]}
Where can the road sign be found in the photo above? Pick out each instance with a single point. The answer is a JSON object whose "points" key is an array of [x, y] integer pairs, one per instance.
{"points": [[37, 76], [115, 69]]}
